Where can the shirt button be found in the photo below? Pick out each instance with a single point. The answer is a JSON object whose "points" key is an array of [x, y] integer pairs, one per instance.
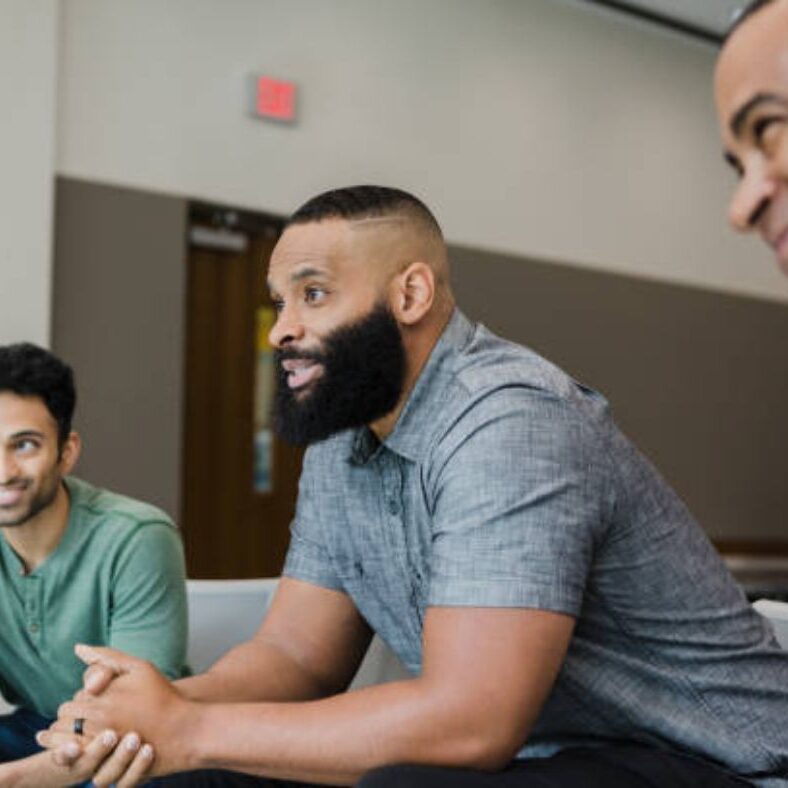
{"points": [[33, 628], [393, 506]]}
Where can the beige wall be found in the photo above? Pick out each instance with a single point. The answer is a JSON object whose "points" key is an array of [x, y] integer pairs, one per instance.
{"points": [[541, 128], [28, 46], [547, 128]]}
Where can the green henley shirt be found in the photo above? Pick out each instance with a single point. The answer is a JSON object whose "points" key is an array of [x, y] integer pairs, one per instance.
{"points": [[116, 578]]}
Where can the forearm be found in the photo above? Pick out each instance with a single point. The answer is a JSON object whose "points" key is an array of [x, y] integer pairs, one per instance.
{"points": [[36, 771], [255, 671], [336, 740]]}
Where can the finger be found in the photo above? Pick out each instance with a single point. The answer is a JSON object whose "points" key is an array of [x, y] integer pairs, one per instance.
{"points": [[73, 710], [93, 755], [65, 753], [110, 658], [60, 728], [127, 762], [139, 769], [54, 740], [97, 678]]}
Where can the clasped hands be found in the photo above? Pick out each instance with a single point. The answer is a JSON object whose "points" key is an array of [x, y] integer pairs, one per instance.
{"points": [[106, 732]]}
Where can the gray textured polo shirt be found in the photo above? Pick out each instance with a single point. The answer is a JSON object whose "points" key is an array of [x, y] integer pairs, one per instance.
{"points": [[505, 483]]}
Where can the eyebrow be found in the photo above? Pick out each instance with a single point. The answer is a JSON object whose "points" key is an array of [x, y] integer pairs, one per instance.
{"points": [[740, 116], [27, 434], [301, 274]]}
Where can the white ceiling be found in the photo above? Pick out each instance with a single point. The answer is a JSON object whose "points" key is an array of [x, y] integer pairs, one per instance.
{"points": [[710, 16]]}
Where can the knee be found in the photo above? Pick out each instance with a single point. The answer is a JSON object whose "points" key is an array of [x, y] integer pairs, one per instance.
{"points": [[399, 776]]}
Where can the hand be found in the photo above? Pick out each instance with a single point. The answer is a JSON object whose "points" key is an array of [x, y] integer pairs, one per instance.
{"points": [[101, 759], [138, 699], [98, 677]]}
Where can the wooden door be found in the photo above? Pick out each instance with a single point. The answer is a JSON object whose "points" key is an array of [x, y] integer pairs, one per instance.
{"points": [[233, 526]]}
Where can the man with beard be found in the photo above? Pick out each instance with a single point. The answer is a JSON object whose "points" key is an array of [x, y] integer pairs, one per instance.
{"points": [[565, 620], [751, 88], [76, 564]]}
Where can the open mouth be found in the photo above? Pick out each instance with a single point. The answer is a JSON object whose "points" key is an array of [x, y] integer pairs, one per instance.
{"points": [[301, 372]]}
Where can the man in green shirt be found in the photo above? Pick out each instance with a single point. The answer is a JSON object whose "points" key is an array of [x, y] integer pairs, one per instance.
{"points": [[77, 564]]}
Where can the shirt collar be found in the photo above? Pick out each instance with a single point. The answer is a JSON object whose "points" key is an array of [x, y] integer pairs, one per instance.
{"points": [[412, 434]]}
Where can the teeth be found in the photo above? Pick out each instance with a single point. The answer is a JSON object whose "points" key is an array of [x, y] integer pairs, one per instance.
{"points": [[302, 374], [9, 497], [293, 364]]}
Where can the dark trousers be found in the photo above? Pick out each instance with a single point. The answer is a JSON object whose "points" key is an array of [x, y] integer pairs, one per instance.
{"points": [[17, 734], [620, 766]]}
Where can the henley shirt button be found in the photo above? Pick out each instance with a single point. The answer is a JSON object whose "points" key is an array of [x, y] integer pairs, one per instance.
{"points": [[32, 628]]}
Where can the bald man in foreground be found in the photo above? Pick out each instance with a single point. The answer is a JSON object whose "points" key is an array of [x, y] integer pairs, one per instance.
{"points": [[751, 89], [565, 620]]}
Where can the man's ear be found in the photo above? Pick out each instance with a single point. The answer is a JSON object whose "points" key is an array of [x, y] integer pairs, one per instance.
{"points": [[69, 453], [413, 293]]}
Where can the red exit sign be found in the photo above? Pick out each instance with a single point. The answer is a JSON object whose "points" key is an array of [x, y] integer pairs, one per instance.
{"points": [[275, 99]]}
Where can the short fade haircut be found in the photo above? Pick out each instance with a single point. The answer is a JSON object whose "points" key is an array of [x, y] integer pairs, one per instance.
{"points": [[30, 371], [745, 13], [364, 202]]}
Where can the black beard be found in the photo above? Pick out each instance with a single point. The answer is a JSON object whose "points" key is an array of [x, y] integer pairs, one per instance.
{"points": [[363, 377]]}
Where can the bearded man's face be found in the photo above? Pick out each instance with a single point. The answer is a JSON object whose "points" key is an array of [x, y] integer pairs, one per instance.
{"points": [[354, 377]]}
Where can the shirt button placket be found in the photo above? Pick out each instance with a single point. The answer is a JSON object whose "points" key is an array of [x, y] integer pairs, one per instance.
{"points": [[393, 490], [33, 606]]}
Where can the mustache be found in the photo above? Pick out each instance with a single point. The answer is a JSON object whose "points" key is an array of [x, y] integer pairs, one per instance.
{"points": [[15, 484], [292, 354]]}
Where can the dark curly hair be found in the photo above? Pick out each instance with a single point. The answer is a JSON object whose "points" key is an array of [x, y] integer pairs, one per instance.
{"points": [[744, 13], [30, 371], [364, 202]]}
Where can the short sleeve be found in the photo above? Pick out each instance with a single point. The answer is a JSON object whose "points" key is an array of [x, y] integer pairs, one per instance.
{"points": [[148, 616], [519, 503], [307, 556]]}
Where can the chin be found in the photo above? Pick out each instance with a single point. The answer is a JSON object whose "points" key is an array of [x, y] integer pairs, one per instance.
{"points": [[304, 393]]}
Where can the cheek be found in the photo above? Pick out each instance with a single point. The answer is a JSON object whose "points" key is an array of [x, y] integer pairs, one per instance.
{"points": [[337, 314]]}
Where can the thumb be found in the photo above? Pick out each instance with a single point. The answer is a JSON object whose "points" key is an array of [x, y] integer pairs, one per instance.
{"points": [[116, 661]]}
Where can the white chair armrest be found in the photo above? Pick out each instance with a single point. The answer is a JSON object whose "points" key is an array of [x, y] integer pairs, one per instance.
{"points": [[777, 614], [224, 613]]}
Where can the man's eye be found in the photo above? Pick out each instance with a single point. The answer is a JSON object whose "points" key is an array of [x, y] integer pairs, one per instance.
{"points": [[764, 128], [314, 294], [278, 304], [26, 446]]}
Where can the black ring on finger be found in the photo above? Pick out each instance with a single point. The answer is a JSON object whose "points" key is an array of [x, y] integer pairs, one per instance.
{"points": [[79, 726]]}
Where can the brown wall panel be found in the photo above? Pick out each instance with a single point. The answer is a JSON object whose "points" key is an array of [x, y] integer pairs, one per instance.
{"points": [[118, 318]]}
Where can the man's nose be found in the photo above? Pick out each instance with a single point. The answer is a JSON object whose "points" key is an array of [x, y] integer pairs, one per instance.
{"points": [[287, 328], [751, 198]]}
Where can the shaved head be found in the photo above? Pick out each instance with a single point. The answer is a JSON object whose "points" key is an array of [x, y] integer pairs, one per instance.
{"points": [[745, 13], [399, 240], [393, 227]]}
